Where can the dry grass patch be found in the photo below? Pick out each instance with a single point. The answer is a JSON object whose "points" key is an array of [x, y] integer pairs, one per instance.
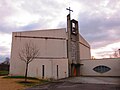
{"points": [[17, 82]]}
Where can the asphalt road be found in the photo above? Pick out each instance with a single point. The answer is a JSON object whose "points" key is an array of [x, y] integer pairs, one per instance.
{"points": [[75, 86]]}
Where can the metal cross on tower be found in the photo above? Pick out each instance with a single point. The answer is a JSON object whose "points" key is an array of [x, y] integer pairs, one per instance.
{"points": [[69, 10]]}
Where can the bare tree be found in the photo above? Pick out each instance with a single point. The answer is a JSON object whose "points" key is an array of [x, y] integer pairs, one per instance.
{"points": [[115, 54], [27, 54]]}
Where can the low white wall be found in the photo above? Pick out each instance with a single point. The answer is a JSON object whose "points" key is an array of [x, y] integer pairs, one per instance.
{"points": [[50, 68], [88, 65]]}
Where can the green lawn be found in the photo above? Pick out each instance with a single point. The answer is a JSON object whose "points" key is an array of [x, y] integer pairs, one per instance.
{"points": [[2, 73], [31, 81]]}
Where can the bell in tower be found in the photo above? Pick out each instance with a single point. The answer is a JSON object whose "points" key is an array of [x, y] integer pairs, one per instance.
{"points": [[74, 27]]}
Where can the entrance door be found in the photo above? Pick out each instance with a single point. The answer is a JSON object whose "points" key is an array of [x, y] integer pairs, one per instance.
{"points": [[75, 72]]}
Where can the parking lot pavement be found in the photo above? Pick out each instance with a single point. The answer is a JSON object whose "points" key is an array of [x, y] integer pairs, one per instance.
{"points": [[94, 80], [82, 83], [75, 86]]}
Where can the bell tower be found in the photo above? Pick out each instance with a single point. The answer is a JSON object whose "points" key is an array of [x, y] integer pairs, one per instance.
{"points": [[73, 47]]}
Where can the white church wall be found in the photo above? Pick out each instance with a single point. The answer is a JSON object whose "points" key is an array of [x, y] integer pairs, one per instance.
{"points": [[62, 68], [50, 48], [83, 41], [84, 48], [89, 65], [17, 67], [58, 33], [84, 52], [50, 68]]}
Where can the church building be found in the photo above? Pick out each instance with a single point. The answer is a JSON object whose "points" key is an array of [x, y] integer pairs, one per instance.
{"points": [[60, 52]]}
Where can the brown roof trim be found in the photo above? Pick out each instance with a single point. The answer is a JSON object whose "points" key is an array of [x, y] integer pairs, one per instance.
{"points": [[51, 57], [84, 45], [41, 37]]}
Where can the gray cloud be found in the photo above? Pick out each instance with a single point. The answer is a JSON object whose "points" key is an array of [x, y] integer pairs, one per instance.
{"points": [[2, 48], [99, 21], [43, 7], [47, 11], [2, 57], [99, 29], [62, 25], [6, 53]]}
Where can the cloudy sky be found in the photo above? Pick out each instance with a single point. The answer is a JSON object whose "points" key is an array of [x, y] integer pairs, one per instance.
{"points": [[99, 21]]}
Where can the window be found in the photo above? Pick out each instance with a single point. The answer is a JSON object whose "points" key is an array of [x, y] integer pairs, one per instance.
{"points": [[73, 28], [101, 69], [57, 71], [43, 72]]}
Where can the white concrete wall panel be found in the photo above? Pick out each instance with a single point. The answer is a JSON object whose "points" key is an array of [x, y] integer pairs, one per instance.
{"points": [[84, 52], [35, 68], [88, 65], [84, 48], [49, 48], [59, 33], [17, 66]]}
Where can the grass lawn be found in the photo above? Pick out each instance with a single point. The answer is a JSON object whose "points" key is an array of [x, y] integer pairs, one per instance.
{"points": [[2, 73], [31, 81]]}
